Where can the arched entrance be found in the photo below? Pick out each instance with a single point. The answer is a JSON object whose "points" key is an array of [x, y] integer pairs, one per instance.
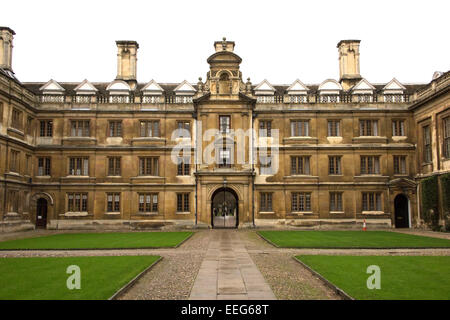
{"points": [[401, 205], [224, 209], [41, 213]]}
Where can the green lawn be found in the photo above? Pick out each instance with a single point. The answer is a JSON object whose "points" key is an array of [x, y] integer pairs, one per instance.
{"points": [[351, 239], [45, 278], [99, 240], [402, 277]]}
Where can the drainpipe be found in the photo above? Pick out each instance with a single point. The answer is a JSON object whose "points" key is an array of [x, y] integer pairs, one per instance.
{"points": [[196, 164], [196, 198], [253, 175]]}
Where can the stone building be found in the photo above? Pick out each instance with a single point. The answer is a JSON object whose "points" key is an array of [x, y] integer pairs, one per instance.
{"points": [[104, 155]]}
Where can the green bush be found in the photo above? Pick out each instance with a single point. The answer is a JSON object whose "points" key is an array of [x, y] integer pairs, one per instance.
{"points": [[445, 188], [430, 201]]}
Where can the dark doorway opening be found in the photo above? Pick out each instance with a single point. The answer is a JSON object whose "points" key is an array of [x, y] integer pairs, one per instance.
{"points": [[224, 209], [401, 211], [41, 213]]}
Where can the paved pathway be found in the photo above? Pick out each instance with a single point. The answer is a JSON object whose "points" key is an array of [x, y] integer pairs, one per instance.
{"points": [[228, 272]]}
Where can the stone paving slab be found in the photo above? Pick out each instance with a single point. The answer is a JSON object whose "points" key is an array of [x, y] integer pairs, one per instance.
{"points": [[228, 273]]}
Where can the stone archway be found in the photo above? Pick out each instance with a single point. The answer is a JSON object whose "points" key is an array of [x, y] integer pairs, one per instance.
{"points": [[402, 214], [41, 203], [224, 208]]}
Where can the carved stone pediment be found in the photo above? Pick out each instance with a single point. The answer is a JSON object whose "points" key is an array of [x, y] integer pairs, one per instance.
{"points": [[403, 184]]}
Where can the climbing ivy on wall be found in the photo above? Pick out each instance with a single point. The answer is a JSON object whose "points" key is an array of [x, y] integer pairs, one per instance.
{"points": [[445, 188], [429, 197]]}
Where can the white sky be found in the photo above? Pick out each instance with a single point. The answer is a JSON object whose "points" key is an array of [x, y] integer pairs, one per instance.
{"points": [[279, 40]]}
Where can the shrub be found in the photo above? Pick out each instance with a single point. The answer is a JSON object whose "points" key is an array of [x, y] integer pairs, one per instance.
{"points": [[445, 188], [429, 197]]}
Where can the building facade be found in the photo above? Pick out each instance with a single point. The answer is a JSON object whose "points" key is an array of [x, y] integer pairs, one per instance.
{"points": [[219, 153]]}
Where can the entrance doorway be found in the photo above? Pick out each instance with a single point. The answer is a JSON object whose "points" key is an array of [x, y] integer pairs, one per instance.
{"points": [[224, 209], [41, 213], [401, 204]]}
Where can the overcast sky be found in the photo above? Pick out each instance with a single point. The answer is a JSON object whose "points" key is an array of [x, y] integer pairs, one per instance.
{"points": [[278, 40]]}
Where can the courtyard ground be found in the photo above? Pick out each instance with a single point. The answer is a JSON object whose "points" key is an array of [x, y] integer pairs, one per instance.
{"points": [[175, 276]]}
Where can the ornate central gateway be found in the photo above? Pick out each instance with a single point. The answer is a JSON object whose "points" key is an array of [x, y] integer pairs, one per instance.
{"points": [[224, 209]]}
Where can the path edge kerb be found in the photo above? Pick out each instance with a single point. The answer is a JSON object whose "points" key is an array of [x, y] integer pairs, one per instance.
{"points": [[268, 241], [338, 290], [186, 239], [127, 286]]}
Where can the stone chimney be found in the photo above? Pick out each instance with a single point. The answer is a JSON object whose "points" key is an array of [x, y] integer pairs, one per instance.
{"points": [[126, 60], [348, 63], [6, 46], [224, 45]]}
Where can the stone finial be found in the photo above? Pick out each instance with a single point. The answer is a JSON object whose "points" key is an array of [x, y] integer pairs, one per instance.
{"points": [[248, 86], [224, 45], [6, 46]]}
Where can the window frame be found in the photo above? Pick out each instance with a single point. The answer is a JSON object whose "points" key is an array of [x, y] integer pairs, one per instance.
{"points": [[398, 126], [335, 165], [185, 125], [400, 165], [150, 207], [183, 202], [446, 137], [265, 128], [114, 166], [17, 119], [72, 205], [298, 130], [371, 201], [427, 144], [115, 128], [184, 167], [114, 205], [305, 165], [14, 164], [336, 201], [227, 128], [366, 125], [370, 165], [265, 202], [78, 163], [46, 128], [336, 125], [301, 202], [77, 125], [13, 201], [45, 165], [149, 126], [149, 166]]}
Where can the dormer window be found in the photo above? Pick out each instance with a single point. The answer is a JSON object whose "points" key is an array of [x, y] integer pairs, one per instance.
{"points": [[84, 91], [298, 92], [265, 93], [184, 93], [393, 92], [119, 92], [52, 92], [329, 91], [363, 91], [152, 93]]}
